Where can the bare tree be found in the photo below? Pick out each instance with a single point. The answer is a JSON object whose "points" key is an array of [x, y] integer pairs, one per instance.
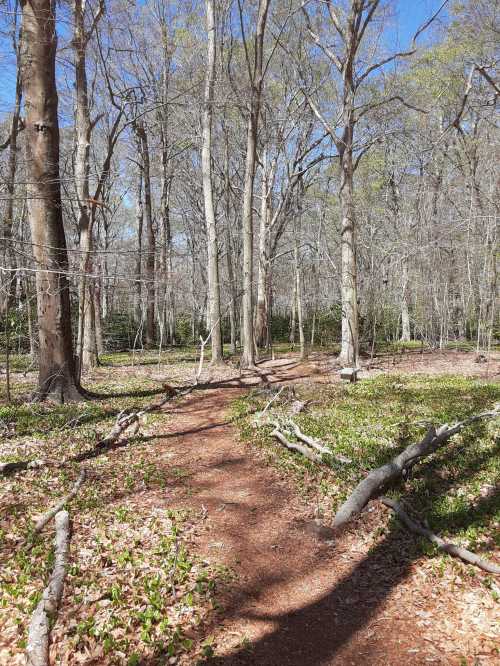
{"points": [[206, 166], [57, 377], [256, 80]]}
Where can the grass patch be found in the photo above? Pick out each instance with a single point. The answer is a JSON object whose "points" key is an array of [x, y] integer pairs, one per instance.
{"points": [[456, 489]]}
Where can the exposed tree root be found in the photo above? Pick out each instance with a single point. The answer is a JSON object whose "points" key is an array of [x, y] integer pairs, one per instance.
{"points": [[44, 615], [450, 548], [48, 515], [381, 477]]}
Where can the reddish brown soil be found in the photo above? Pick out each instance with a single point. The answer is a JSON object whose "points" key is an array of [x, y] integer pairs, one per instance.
{"points": [[297, 599]]}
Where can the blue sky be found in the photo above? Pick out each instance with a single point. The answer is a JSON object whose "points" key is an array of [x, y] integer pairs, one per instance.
{"points": [[410, 14]]}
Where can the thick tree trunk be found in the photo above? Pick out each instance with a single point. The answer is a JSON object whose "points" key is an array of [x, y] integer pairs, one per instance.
{"points": [[215, 327], [57, 377]]}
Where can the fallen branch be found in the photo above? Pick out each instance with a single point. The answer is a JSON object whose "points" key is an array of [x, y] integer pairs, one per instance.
{"points": [[44, 615], [450, 548], [121, 425], [309, 440], [313, 457], [10, 467], [48, 515], [379, 478]]}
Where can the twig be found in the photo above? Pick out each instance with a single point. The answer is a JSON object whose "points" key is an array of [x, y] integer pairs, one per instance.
{"points": [[275, 396]]}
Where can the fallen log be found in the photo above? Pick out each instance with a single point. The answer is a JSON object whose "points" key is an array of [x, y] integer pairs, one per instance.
{"points": [[45, 614], [381, 477], [450, 548], [48, 515]]}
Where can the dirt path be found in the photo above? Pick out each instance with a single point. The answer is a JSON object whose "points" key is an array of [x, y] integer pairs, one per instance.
{"points": [[298, 598]]}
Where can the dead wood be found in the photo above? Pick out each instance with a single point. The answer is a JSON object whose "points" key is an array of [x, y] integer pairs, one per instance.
{"points": [[450, 548], [48, 515], [313, 457], [392, 471], [310, 441], [6, 469], [44, 615], [122, 423]]}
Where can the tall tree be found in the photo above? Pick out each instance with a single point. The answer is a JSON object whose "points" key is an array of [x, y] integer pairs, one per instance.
{"points": [[57, 377], [86, 344], [256, 80], [206, 167], [350, 31]]}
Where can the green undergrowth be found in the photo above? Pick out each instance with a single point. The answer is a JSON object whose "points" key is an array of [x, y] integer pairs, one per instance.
{"points": [[455, 490], [136, 591]]}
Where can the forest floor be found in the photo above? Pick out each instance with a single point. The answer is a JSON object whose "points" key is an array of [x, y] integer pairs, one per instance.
{"points": [[196, 540]]}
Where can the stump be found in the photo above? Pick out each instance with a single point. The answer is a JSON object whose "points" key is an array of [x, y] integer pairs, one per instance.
{"points": [[349, 374]]}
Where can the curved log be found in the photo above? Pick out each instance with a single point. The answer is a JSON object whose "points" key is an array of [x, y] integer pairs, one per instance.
{"points": [[48, 515], [381, 477]]}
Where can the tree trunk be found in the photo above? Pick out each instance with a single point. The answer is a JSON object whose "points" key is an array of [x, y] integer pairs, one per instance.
{"points": [[262, 314], [248, 352], [229, 256], [87, 345], [215, 327], [405, 315], [139, 218], [57, 376], [298, 291], [150, 257], [349, 346]]}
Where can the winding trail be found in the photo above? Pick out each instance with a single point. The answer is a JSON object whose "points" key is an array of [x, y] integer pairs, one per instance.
{"points": [[297, 598]]}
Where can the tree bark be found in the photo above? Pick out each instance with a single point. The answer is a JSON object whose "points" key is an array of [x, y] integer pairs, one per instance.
{"points": [[150, 257], [37, 648], [248, 352], [8, 221], [262, 314], [215, 327], [57, 376], [405, 315], [349, 291], [86, 345]]}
